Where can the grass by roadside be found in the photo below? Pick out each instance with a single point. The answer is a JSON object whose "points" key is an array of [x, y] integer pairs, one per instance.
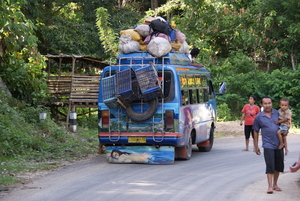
{"points": [[28, 144], [77, 146], [220, 135]]}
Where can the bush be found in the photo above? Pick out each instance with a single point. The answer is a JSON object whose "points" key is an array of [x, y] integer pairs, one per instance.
{"points": [[223, 112], [27, 143], [22, 133]]}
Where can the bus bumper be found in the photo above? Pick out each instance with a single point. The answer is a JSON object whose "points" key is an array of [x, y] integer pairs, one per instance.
{"points": [[140, 154]]}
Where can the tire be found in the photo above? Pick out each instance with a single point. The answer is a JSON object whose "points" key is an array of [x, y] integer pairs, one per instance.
{"points": [[211, 141], [135, 116], [189, 149]]}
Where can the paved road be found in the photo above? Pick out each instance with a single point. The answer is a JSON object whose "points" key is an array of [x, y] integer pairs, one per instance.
{"points": [[225, 173]]}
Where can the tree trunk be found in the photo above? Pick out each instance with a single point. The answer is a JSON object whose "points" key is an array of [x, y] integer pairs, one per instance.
{"points": [[4, 87], [154, 4], [123, 3], [292, 60]]}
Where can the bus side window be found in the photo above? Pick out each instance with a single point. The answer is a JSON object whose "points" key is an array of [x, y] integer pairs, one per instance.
{"points": [[211, 89], [185, 97], [199, 95], [192, 96], [205, 95]]}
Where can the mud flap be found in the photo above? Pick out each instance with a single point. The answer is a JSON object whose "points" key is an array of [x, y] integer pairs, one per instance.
{"points": [[204, 144], [140, 154], [180, 152]]}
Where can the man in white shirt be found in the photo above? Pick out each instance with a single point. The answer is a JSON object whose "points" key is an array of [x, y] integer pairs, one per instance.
{"points": [[193, 54]]}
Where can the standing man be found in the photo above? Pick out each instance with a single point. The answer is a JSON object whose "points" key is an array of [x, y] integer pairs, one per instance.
{"points": [[274, 157]]}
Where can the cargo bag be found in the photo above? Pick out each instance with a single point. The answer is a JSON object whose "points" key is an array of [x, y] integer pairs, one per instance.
{"points": [[126, 45], [159, 47], [160, 26]]}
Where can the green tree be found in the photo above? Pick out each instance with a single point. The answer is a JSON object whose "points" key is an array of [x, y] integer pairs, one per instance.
{"points": [[65, 26], [20, 60], [284, 30]]}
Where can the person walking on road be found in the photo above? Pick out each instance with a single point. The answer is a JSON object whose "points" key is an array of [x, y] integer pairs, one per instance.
{"points": [[274, 157], [249, 113]]}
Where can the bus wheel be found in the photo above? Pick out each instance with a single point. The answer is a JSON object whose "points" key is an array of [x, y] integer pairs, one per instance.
{"points": [[210, 142], [189, 149], [135, 116]]}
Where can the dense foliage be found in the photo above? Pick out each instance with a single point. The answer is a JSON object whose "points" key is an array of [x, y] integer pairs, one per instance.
{"points": [[20, 59]]}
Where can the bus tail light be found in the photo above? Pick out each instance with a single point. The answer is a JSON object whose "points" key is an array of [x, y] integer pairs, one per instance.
{"points": [[105, 118], [169, 119]]}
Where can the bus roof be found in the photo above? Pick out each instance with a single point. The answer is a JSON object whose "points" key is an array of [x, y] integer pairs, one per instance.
{"points": [[142, 57], [179, 62]]}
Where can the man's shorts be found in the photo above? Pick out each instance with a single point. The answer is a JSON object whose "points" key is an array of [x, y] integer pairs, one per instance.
{"points": [[274, 160], [284, 128]]}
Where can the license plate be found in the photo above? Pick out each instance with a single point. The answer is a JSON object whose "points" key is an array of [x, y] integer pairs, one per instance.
{"points": [[137, 139]]}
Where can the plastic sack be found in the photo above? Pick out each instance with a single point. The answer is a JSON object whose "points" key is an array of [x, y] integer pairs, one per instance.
{"points": [[144, 30], [141, 42], [126, 45], [184, 49], [143, 47], [180, 36], [159, 47], [176, 45], [152, 36], [134, 34]]}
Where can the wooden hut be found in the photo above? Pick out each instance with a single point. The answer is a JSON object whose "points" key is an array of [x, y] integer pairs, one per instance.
{"points": [[73, 81]]}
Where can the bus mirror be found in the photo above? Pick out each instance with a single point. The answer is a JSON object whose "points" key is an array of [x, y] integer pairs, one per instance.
{"points": [[222, 87]]}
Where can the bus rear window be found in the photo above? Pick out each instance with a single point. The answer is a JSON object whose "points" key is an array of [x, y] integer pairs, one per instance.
{"points": [[168, 83]]}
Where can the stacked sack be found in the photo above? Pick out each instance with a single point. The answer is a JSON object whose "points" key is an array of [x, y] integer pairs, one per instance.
{"points": [[156, 36], [129, 41]]}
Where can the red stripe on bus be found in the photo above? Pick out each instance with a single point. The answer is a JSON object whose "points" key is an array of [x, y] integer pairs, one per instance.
{"points": [[140, 134]]}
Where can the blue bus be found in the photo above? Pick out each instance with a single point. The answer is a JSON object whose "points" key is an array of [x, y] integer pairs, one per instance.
{"points": [[152, 110]]}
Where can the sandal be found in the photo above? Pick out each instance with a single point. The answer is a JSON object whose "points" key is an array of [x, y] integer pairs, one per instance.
{"points": [[270, 191], [276, 188]]}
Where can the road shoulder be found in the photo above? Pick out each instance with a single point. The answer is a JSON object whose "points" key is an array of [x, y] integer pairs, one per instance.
{"points": [[288, 181]]}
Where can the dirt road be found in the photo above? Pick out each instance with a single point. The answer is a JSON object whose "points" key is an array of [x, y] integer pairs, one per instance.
{"points": [[225, 173]]}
